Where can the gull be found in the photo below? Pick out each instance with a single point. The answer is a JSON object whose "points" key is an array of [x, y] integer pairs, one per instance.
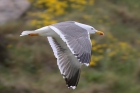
{"points": [[70, 42]]}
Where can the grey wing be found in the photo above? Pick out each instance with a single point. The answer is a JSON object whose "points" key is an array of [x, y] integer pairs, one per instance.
{"points": [[81, 48], [68, 68], [76, 38]]}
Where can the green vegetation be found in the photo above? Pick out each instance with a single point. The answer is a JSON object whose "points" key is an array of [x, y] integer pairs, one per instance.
{"points": [[27, 64]]}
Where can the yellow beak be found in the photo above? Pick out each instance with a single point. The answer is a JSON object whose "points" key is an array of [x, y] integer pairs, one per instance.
{"points": [[100, 33]]}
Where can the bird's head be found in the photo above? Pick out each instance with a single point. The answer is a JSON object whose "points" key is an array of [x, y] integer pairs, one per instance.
{"points": [[89, 28]]}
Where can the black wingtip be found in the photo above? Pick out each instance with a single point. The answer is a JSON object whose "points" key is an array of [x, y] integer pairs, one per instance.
{"points": [[73, 81]]}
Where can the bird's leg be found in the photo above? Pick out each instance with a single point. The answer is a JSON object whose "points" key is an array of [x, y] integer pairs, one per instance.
{"points": [[33, 34]]}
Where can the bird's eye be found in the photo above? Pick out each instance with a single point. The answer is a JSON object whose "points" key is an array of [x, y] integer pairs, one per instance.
{"points": [[91, 28]]}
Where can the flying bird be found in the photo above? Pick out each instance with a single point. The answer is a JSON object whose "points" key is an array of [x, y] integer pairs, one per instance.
{"points": [[70, 42]]}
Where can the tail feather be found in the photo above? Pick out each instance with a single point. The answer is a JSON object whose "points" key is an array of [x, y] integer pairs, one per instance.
{"points": [[24, 33]]}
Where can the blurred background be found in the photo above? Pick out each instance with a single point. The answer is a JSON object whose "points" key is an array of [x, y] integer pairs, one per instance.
{"points": [[28, 65]]}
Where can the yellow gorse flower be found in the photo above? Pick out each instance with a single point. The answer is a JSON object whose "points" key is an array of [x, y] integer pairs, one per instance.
{"points": [[55, 8]]}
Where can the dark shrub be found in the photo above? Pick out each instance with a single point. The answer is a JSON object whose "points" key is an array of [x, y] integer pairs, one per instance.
{"points": [[3, 50]]}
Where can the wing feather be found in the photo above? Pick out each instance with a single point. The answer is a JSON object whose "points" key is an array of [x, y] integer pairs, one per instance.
{"points": [[68, 68], [76, 38]]}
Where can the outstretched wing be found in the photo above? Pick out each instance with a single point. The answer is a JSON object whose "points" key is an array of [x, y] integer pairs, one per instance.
{"points": [[68, 66], [76, 38]]}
